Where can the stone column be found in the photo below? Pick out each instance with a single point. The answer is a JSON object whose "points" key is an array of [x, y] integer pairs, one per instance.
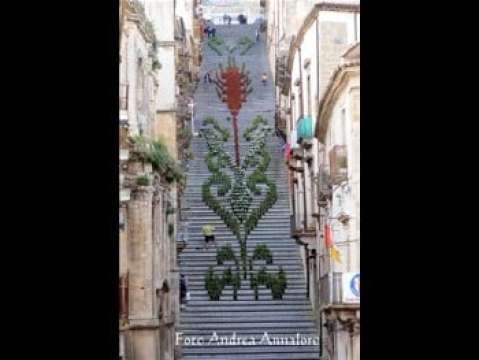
{"points": [[123, 239], [342, 342], [343, 329], [300, 198], [143, 319], [298, 202]]}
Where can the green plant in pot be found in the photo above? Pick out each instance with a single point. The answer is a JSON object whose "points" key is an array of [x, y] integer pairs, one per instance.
{"points": [[276, 289]]}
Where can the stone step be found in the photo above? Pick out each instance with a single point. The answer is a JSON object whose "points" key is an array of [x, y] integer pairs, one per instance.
{"points": [[291, 269], [251, 310], [250, 325], [255, 356], [193, 255], [205, 209], [265, 219], [200, 285], [203, 256], [200, 276], [257, 263], [241, 297], [245, 317], [249, 302], [257, 334], [212, 262], [274, 247], [260, 234], [197, 238], [251, 349]]}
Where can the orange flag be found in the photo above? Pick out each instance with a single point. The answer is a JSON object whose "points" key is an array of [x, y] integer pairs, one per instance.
{"points": [[328, 242]]}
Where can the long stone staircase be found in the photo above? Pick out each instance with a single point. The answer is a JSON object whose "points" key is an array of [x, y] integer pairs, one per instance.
{"points": [[245, 317]]}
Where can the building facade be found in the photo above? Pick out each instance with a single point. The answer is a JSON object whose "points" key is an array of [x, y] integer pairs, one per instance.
{"points": [[159, 60], [311, 55], [338, 184]]}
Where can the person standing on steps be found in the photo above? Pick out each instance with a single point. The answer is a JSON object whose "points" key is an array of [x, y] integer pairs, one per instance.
{"points": [[184, 294], [208, 232], [264, 77], [207, 77], [257, 34], [206, 30]]}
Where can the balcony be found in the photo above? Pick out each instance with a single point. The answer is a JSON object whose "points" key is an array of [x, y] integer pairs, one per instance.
{"points": [[305, 129], [339, 164], [323, 187], [328, 295]]}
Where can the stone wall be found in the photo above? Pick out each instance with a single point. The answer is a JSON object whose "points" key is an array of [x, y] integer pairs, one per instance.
{"points": [[164, 128], [332, 46]]}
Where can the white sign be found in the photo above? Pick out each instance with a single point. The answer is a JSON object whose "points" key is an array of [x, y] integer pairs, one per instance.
{"points": [[351, 288]]}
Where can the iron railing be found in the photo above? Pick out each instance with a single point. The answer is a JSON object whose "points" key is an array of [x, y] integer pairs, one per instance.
{"points": [[323, 186], [338, 163], [330, 291]]}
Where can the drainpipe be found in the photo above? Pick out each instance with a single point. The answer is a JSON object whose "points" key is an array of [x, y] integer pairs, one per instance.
{"points": [[355, 26], [317, 64], [305, 206], [293, 217], [306, 253], [300, 83], [301, 107], [306, 256], [320, 334]]}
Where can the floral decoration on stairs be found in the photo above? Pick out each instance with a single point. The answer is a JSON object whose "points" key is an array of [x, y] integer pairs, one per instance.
{"points": [[232, 202]]}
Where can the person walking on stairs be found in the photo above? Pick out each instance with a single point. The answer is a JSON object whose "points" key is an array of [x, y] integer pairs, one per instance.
{"points": [[264, 77], [184, 294], [207, 78], [208, 232]]}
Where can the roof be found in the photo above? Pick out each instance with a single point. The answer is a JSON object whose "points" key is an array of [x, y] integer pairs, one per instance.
{"points": [[309, 20]]}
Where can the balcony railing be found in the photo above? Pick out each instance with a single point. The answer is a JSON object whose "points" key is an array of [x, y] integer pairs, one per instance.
{"points": [[323, 186], [330, 295], [339, 163], [305, 128]]}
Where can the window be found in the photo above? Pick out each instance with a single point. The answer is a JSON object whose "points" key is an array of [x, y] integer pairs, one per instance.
{"points": [[343, 127], [309, 94]]}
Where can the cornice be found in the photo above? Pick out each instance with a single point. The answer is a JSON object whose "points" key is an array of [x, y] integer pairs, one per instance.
{"points": [[309, 20], [336, 83]]}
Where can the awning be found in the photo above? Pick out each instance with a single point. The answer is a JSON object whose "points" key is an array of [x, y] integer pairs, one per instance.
{"points": [[305, 128]]}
